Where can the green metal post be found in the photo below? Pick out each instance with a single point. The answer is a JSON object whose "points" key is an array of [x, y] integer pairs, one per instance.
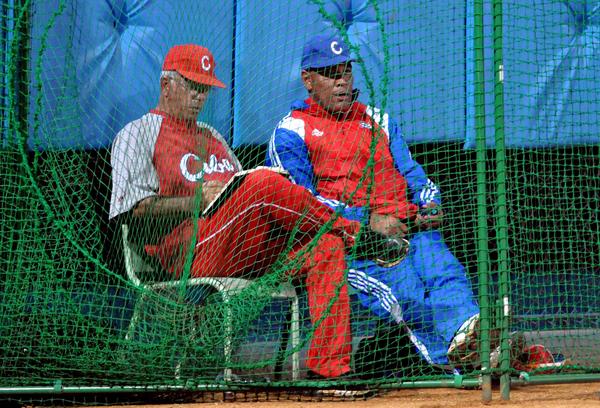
{"points": [[501, 213], [22, 64], [59, 388], [482, 226]]}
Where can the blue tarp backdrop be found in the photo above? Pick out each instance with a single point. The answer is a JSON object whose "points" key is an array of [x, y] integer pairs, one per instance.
{"points": [[101, 63], [426, 90], [551, 53], [97, 65]]}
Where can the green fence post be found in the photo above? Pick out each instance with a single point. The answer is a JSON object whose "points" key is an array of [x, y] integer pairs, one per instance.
{"points": [[482, 227], [501, 213]]}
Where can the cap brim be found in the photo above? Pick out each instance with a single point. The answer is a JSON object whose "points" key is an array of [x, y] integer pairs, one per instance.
{"points": [[202, 79], [330, 62]]}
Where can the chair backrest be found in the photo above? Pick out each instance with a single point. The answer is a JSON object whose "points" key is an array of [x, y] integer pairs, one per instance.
{"points": [[134, 263]]}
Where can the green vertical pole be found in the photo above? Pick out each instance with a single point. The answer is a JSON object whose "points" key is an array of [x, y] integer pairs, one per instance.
{"points": [[22, 70], [501, 213], [482, 225], [4, 41]]}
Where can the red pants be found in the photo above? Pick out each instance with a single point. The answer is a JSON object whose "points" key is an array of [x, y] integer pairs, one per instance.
{"points": [[251, 230]]}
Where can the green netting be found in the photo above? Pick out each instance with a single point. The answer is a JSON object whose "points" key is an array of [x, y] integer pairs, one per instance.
{"points": [[522, 220]]}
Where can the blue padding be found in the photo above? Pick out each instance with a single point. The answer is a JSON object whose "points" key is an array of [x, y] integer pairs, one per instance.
{"points": [[426, 71], [102, 59], [552, 69], [267, 75], [98, 66]]}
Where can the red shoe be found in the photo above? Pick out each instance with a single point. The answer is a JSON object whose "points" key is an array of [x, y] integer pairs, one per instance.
{"points": [[536, 358]]}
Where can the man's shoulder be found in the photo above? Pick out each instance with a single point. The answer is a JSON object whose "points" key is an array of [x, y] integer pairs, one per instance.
{"points": [[379, 116], [373, 111], [210, 131], [294, 121], [214, 133], [142, 124], [141, 131]]}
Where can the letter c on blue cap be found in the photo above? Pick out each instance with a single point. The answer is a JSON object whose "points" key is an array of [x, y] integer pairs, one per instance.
{"points": [[335, 48]]}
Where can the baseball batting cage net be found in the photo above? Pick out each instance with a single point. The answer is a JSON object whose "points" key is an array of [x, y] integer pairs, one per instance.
{"points": [[497, 101]]}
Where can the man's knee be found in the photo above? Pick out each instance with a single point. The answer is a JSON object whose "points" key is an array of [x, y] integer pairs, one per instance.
{"points": [[266, 180]]}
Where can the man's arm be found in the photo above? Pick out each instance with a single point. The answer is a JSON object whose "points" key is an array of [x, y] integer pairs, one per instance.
{"points": [[178, 208], [134, 177], [425, 193], [288, 150], [135, 182], [423, 190]]}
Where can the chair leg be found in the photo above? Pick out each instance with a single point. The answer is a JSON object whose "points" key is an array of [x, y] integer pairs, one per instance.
{"points": [[295, 335], [291, 335], [228, 344], [135, 317], [283, 343]]}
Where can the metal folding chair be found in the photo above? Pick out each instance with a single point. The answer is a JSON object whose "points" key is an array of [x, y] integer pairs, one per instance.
{"points": [[227, 288]]}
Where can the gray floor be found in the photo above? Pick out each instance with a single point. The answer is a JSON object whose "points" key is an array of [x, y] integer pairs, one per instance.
{"points": [[581, 347]]}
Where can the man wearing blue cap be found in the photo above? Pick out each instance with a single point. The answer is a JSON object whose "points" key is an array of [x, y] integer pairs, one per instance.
{"points": [[353, 158]]}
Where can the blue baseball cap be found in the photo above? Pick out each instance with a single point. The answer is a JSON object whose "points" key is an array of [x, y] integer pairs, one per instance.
{"points": [[324, 51]]}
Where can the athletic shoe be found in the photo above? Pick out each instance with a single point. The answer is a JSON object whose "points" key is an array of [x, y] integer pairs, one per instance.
{"points": [[349, 376], [388, 353], [384, 250], [537, 359], [464, 347], [340, 391], [517, 345]]}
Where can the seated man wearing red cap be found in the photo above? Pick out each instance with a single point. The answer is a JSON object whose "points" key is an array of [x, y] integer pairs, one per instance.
{"points": [[166, 168]]}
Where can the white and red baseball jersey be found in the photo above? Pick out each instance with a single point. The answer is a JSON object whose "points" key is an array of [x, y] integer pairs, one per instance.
{"points": [[161, 155]]}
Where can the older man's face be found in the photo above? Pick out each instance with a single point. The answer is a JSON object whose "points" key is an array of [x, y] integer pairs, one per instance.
{"points": [[187, 97], [331, 87]]}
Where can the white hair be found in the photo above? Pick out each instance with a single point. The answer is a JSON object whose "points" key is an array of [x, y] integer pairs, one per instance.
{"points": [[169, 74]]}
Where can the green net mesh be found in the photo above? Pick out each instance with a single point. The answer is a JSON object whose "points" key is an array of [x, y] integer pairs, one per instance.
{"points": [[84, 304]]}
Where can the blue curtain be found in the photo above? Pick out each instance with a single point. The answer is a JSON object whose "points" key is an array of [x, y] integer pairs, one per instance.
{"points": [[101, 64], [97, 66], [426, 89], [552, 71]]}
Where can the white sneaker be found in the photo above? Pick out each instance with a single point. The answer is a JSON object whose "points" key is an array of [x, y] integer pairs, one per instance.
{"points": [[463, 351]]}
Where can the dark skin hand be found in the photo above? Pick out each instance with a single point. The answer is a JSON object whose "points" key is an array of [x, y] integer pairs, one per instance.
{"points": [[388, 225], [430, 217]]}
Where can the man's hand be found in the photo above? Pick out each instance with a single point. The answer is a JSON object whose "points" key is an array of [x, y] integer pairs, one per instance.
{"points": [[210, 190], [388, 225], [430, 216]]}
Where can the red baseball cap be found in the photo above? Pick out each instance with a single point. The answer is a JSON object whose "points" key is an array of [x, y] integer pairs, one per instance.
{"points": [[194, 62]]}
